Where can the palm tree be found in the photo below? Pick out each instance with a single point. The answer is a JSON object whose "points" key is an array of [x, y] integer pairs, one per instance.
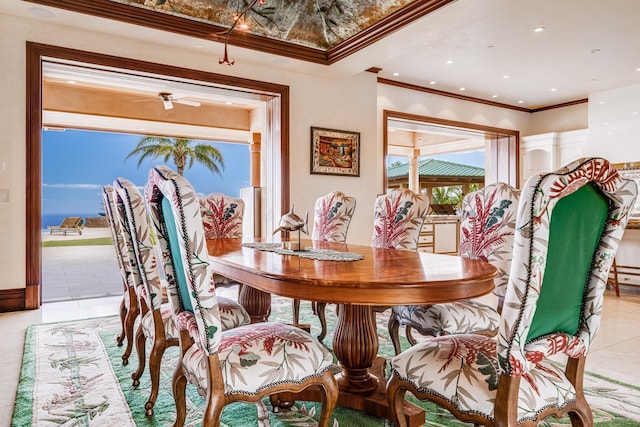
{"points": [[182, 151], [446, 195]]}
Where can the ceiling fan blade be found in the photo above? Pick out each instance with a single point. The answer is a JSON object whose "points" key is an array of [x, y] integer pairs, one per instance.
{"points": [[187, 102], [168, 105]]}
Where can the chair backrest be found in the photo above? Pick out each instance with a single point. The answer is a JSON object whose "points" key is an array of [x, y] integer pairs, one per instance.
{"points": [[397, 219], [122, 256], [143, 247], [332, 216], [175, 216], [569, 225], [222, 216], [488, 226], [126, 234], [71, 222]]}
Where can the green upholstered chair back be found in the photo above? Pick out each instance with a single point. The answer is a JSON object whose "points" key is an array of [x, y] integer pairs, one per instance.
{"points": [[177, 222], [397, 219], [568, 229]]}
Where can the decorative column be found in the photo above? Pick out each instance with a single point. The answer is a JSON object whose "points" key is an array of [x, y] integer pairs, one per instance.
{"points": [[414, 178], [255, 148]]}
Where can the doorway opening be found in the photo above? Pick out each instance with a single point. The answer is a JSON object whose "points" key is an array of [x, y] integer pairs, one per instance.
{"points": [[273, 102], [445, 160]]}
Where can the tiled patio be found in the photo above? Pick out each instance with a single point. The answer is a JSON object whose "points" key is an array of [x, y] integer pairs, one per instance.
{"points": [[79, 272]]}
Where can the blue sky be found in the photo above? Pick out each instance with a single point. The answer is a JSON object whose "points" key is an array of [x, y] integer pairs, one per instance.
{"points": [[77, 163]]}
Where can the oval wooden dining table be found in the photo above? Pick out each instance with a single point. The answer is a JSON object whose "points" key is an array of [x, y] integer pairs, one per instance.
{"points": [[383, 278]]}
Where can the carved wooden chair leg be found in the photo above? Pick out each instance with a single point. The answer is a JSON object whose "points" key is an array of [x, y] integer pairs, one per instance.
{"points": [[130, 321], [329, 398], [123, 316], [155, 360], [582, 416], [616, 284], [179, 385], [409, 335], [320, 308], [296, 311], [394, 332], [141, 341], [395, 400]]}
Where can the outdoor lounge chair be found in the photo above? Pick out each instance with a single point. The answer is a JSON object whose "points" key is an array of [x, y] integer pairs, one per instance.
{"points": [[71, 224]]}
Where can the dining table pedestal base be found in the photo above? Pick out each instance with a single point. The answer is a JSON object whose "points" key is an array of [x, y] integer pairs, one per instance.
{"points": [[256, 302]]}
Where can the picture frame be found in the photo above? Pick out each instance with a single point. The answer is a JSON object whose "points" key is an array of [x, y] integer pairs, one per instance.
{"points": [[335, 152]]}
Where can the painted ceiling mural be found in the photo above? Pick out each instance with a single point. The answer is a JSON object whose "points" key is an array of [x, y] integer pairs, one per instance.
{"points": [[319, 24]]}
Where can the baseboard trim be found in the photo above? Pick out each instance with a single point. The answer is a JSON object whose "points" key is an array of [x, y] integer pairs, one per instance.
{"points": [[12, 300]]}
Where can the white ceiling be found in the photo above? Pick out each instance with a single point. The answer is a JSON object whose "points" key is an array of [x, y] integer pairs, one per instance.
{"points": [[587, 46]]}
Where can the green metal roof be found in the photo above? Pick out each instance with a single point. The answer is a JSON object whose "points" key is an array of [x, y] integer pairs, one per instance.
{"points": [[433, 167]]}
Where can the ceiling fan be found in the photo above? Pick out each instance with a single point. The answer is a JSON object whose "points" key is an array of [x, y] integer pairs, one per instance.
{"points": [[168, 100]]}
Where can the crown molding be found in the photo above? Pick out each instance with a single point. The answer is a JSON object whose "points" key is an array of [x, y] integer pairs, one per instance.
{"points": [[432, 91]]}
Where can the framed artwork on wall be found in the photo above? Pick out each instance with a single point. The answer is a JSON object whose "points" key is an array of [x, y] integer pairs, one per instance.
{"points": [[335, 152]]}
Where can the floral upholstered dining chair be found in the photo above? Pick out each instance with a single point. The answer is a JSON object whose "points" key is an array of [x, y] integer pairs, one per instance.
{"points": [[486, 233], [129, 306], [222, 217], [331, 219], [243, 364], [568, 228], [156, 322], [398, 219]]}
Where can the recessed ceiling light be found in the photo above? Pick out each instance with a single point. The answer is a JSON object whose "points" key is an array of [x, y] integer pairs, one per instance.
{"points": [[506, 76], [538, 29], [229, 103], [521, 102], [71, 82], [463, 88], [494, 96], [449, 61], [396, 74], [553, 89], [595, 50], [606, 123], [432, 82], [638, 69], [603, 102], [636, 113]]}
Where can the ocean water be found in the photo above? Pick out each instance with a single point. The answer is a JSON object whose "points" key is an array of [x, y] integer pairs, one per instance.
{"points": [[56, 219]]}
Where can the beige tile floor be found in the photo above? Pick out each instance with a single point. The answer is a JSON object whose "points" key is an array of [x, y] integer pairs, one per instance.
{"points": [[615, 352]]}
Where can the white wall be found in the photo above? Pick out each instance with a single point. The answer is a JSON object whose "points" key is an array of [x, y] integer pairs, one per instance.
{"points": [[563, 119], [614, 124], [348, 103]]}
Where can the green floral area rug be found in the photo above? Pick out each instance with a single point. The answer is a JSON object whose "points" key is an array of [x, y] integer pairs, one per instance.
{"points": [[72, 376]]}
